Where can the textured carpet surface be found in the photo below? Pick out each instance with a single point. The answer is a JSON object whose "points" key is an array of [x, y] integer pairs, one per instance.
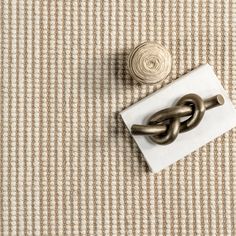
{"points": [[68, 164]]}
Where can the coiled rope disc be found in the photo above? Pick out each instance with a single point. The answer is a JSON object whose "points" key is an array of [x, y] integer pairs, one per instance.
{"points": [[149, 63]]}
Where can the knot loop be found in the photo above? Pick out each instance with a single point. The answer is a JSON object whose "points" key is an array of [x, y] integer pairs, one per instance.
{"points": [[164, 126]]}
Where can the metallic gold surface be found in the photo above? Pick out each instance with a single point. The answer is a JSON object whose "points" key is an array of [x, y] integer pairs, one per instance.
{"points": [[164, 126]]}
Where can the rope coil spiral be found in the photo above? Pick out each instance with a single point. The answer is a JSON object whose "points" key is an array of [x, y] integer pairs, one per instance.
{"points": [[164, 126], [149, 63]]}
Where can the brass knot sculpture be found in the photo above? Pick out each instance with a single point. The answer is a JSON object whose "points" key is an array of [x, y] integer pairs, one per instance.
{"points": [[164, 126]]}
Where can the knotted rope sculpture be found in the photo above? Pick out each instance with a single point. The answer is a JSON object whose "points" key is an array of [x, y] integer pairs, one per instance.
{"points": [[149, 63], [164, 126]]}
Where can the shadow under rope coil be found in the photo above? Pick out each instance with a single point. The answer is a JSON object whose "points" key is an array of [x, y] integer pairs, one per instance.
{"points": [[149, 63]]}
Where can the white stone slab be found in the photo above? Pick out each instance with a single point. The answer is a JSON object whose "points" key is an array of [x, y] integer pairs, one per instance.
{"points": [[215, 122]]}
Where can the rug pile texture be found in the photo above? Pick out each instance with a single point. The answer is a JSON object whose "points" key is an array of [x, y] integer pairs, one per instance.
{"points": [[68, 166]]}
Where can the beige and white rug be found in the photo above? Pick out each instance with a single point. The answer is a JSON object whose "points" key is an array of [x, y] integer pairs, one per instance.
{"points": [[68, 164]]}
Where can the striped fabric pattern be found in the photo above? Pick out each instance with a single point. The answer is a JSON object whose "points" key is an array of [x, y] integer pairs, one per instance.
{"points": [[68, 166]]}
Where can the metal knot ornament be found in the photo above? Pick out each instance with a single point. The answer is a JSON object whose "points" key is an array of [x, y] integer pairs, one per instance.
{"points": [[164, 126]]}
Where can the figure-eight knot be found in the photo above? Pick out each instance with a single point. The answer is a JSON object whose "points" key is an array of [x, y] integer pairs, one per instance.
{"points": [[164, 126]]}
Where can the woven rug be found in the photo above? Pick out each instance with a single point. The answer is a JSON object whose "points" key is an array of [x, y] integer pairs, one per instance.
{"points": [[68, 164]]}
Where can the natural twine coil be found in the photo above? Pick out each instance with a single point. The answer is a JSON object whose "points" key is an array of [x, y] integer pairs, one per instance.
{"points": [[149, 63]]}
